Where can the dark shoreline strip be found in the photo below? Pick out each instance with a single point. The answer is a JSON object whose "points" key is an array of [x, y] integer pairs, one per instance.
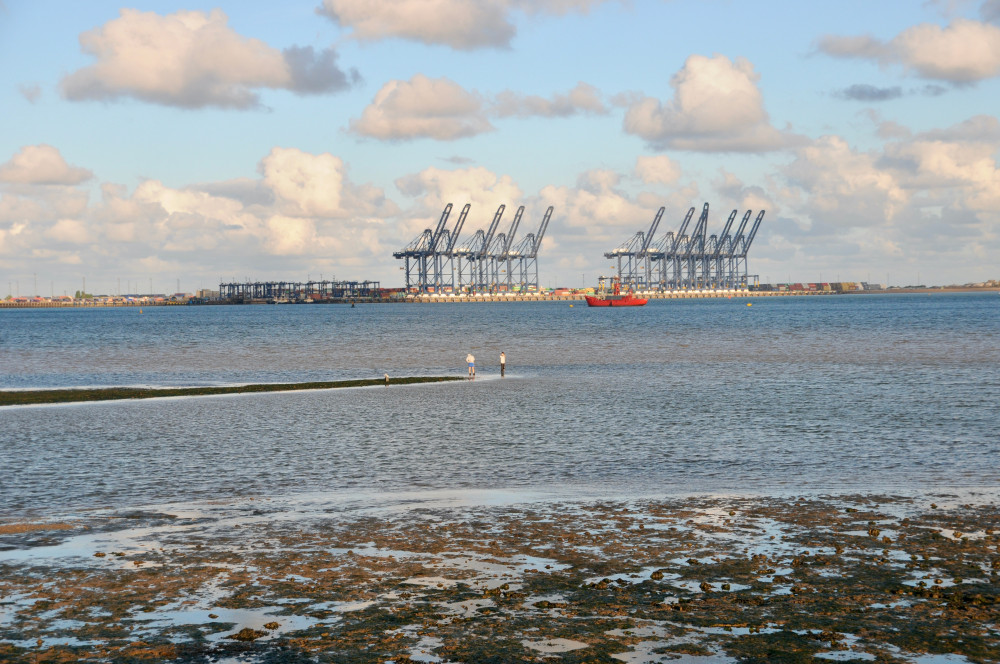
{"points": [[28, 397]]}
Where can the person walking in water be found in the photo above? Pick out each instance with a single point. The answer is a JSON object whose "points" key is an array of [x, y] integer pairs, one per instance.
{"points": [[472, 365], [503, 363]]}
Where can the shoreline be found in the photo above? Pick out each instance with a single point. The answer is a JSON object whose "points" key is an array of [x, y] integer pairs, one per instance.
{"points": [[731, 578], [79, 395], [500, 297]]}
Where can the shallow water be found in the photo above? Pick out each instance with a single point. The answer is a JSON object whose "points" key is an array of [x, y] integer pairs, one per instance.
{"points": [[844, 393]]}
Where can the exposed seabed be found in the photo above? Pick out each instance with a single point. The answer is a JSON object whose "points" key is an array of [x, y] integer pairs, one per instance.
{"points": [[508, 576]]}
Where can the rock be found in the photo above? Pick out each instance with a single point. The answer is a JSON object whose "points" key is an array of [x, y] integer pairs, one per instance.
{"points": [[247, 634]]}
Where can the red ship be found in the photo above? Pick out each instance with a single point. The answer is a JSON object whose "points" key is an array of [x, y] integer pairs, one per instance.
{"points": [[616, 298]]}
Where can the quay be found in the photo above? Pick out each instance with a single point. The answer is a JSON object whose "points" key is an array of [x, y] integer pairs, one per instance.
{"points": [[468, 298], [433, 298], [85, 304], [396, 298]]}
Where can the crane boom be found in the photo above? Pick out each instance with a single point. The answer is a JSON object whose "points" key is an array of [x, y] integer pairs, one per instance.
{"points": [[541, 232], [680, 233], [488, 236], [721, 240], [738, 238], [699, 230], [513, 229], [458, 229], [753, 232], [440, 228], [652, 231]]}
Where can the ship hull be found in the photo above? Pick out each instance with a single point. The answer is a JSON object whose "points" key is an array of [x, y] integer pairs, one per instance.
{"points": [[615, 301]]}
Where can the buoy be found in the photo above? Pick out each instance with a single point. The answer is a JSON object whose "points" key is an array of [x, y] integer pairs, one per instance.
{"points": [[140, 311], [571, 306], [749, 304]]}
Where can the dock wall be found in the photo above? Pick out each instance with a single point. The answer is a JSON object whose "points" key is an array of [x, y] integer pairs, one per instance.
{"points": [[668, 295], [427, 299]]}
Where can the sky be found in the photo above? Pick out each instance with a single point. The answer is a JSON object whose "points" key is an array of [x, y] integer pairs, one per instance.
{"points": [[164, 147]]}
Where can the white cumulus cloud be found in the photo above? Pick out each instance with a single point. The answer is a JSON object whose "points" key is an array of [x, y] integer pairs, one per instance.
{"points": [[597, 204], [311, 184], [717, 107], [434, 188], [41, 164], [963, 52], [193, 59], [290, 235], [461, 24], [931, 196], [583, 98], [72, 231], [301, 211], [440, 109], [317, 185], [846, 187], [423, 107], [659, 169]]}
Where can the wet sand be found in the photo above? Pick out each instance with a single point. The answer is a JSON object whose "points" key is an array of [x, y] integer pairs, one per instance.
{"points": [[692, 579]]}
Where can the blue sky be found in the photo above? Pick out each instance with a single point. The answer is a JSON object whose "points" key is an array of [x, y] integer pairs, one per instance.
{"points": [[193, 143]]}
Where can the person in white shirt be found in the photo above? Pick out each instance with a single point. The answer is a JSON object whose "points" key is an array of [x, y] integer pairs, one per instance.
{"points": [[503, 363]]}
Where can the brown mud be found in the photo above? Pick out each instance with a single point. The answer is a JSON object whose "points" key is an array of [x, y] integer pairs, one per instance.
{"points": [[699, 579]]}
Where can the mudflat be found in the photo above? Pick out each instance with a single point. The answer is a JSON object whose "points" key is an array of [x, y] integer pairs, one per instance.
{"points": [[30, 397], [696, 579]]}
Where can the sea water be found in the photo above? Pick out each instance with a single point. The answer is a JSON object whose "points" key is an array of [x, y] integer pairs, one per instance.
{"points": [[859, 393]]}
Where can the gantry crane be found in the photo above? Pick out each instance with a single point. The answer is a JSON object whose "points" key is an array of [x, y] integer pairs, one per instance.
{"points": [[682, 261]]}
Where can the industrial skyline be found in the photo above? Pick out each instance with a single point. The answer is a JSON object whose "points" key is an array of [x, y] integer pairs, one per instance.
{"points": [[183, 146]]}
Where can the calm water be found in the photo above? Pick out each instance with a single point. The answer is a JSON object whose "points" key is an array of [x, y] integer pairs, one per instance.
{"points": [[848, 393]]}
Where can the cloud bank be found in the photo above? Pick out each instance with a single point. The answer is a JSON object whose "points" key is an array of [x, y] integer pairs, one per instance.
{"points": [[931, 196], [302, 207]]}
